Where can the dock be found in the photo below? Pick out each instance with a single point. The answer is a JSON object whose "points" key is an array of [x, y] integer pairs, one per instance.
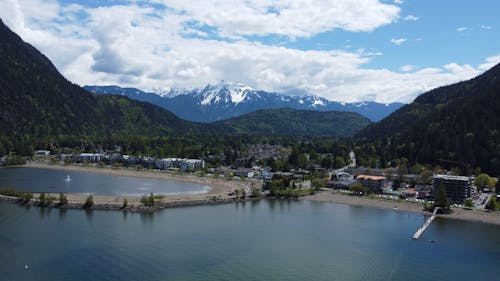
{"points": [[421, 230]]}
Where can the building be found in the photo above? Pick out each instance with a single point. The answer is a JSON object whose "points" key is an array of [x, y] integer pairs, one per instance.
{"points": [[180, 163], [372, 183], [457, 188], [244, 173], [42, 153]]}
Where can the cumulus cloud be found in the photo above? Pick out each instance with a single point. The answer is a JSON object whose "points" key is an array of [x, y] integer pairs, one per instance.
{"points": [[289, 18], [136, 45], [398, 41], [487, 27], [462, 29]]}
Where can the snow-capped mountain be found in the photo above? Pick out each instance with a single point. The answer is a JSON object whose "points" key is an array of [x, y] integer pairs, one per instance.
{"points": [[169, 92], [228, 99]]}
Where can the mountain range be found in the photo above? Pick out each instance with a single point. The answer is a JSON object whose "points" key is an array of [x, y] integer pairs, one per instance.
{"points": [[228, 99]]}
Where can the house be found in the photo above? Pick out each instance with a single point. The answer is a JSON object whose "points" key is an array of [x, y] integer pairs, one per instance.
{"points": [[457, 188], [372, 183], [244, 173]]}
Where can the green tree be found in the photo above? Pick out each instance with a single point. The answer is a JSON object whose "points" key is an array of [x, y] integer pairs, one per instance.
{"points": [[468, 203], [43, 200], [339, 162], [492, 204], [497, 186], [358, 188], [89, 203], [441, 200], [148, 200], [256, 192], [25, 198], [482, 181], [125, 203], [63, 200], [318, 183]]}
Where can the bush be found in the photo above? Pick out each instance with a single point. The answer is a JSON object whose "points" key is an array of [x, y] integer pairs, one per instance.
{"points": [[10, 192], [25, 198]]}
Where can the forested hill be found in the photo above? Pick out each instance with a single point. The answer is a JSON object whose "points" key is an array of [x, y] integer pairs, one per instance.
{"points": [[457, 125], [297, 122], [38, 104]]}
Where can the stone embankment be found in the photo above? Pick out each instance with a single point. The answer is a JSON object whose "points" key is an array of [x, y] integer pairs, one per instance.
{"points": [[132, 207]]}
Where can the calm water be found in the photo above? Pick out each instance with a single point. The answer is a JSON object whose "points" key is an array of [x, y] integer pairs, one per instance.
{"points": [[48, 180], [266, 240]]}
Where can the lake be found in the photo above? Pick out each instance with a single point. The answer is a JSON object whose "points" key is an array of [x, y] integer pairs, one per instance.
{"points": [[49, 180], [262, 240]]}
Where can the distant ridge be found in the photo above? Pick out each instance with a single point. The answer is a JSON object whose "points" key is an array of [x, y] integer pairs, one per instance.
{"points": [[297, 122], [228, 99]]}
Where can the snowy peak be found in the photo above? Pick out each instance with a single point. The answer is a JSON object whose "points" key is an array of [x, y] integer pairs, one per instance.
{"points": [[224, 92], [229, 99], [169, 92]]}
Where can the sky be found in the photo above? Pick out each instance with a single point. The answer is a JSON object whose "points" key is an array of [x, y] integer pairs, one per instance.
{"points": [[343, 50]]}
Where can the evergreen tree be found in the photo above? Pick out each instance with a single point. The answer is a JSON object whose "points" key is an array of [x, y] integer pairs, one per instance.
{"points": [[441, 200]]}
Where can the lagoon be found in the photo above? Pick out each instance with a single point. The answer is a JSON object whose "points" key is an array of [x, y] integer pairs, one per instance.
{"points": [[261, 240], [54, 181]]}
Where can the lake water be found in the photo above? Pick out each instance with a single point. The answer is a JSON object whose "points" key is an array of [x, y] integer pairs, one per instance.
{"points": [[263, 240], [48, 180]]}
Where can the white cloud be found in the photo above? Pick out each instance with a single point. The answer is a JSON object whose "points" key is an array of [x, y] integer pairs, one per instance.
{"points": [[407, 67], [398, 1], [487, 27], [462, 29], [289, 18], [410, 18], [490, 62], [398, 41], [148, 48]]}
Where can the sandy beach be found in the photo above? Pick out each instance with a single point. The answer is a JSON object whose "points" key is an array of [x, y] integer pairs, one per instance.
{"points": [[458, 213], [219, 186]]}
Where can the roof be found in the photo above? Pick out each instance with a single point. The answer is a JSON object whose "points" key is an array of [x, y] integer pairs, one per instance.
{"points": [[448, 177], [371, 178]]}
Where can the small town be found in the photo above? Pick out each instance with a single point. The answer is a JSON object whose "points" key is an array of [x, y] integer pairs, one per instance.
{"points": [[475, 192]]}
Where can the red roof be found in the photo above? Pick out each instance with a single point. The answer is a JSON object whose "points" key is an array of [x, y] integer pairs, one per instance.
{"points": [[372, 178]]}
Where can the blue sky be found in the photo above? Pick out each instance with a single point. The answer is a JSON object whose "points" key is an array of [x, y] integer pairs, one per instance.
{"points": [[343, 50]]}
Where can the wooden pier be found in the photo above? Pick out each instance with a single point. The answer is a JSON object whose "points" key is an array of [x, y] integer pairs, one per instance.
{"points": [[421, 230]]}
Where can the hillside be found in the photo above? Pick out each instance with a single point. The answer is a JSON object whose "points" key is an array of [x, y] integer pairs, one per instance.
{"points": [[456, 125], [38, 104], [297, 122]]}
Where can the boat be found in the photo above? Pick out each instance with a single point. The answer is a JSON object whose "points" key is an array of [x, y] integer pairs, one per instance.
{"points": [[68, 178]]}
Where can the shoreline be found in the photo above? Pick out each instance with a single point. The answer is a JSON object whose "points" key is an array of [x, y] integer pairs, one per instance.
{"points": [[404, 206], [218, 194]]}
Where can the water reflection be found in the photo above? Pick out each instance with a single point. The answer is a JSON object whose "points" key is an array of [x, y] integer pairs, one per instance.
{"points": [[44, 212], [89, 213], [62, 213], [147, 217]]}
